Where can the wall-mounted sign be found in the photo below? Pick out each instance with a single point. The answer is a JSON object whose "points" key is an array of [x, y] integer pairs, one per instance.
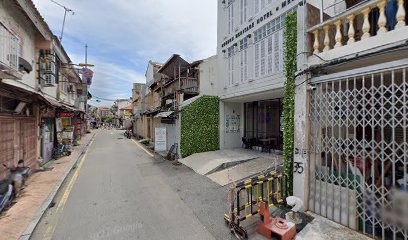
{"points": [[259, 20], [87, 74], [233, 123], [160, 137], [65, 114]]}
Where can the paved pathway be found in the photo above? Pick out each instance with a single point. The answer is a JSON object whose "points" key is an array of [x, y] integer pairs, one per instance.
{"points": [[119, 192]]}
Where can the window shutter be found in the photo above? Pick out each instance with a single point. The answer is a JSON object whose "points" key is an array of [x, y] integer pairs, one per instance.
{"points": [[281, 50], [262, 4], [246, 65], [257, 6], [263, 57], [245, 10], [276, 51], [257, 60], [270, 55], [232, 70], [242, 64], [241, 12]]}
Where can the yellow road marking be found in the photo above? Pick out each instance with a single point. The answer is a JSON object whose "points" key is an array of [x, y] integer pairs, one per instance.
{"points": [[51, 228], [144, 149]]}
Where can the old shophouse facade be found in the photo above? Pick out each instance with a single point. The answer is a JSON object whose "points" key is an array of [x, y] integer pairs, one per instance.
{"points": [[350, 126], [33, 64], [170, 87]]}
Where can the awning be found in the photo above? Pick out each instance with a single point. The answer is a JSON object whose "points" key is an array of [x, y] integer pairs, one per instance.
{"points": [[164, 114], [69, 108], [52, 102]]}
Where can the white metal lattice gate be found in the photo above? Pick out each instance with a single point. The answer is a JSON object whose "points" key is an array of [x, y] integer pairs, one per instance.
{"points": [[359, 152]]}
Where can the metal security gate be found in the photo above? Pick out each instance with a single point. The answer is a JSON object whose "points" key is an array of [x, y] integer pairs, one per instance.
{"points": [[359, 152], [17, 141]]}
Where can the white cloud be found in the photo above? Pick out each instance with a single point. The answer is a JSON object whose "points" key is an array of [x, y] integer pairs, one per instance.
{"points": [[124, 35]]}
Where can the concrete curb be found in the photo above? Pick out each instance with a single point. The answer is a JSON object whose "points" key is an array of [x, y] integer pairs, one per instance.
{"points": [[38, 215]]}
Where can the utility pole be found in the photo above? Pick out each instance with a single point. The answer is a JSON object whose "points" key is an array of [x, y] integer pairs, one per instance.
{"points": [[65, 15], [86, 56]]}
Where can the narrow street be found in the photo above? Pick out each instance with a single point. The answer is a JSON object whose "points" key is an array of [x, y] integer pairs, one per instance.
{"points": [[121, 192]]}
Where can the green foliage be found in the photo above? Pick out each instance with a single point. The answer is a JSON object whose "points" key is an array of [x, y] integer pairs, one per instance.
{"points": [[200, 126], [289, 99], [108, 119]]}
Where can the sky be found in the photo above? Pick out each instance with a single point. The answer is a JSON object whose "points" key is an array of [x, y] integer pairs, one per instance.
{"points": [[123, 35]]}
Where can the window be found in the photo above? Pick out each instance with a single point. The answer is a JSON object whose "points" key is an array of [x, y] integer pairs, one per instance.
{"points": [[243, 11], [14, 51], [263, 2], [230, 16], [263, 57], [64, 83], [231, 53], [48, 69], [269, 48], [49, 79], [257, 59], [270, 55], [243, 46]]}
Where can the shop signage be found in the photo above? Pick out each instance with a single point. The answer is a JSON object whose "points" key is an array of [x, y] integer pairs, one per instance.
{"points": [[65, 114], [160, 143], [258, 21], [88, 75], [233, 123]]}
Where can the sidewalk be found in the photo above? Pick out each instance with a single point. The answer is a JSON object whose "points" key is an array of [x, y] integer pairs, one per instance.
{"points": [[22, 217]]}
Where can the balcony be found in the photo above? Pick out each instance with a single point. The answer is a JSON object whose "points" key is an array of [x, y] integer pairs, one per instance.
{"points": [[9, 55], [367, 26], [188, 86]]}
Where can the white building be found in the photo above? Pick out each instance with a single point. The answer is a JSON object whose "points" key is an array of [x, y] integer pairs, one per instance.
{"points": [[250, 63]]}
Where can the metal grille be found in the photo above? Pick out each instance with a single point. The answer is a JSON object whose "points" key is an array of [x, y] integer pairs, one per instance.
{"points": [[359, 152], [6, 145], [28, 142]]}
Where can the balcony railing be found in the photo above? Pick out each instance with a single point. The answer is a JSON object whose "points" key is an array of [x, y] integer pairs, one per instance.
{"points": [[9, 53], [188, 86], [357, 24]]}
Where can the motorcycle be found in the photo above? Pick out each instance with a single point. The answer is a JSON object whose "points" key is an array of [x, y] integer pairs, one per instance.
{"points": [[6, 194], [128, 134], [19, 175], [11, 186]]}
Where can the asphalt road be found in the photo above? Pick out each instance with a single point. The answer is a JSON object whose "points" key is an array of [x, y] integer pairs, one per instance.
{"points": [[121, 192]]}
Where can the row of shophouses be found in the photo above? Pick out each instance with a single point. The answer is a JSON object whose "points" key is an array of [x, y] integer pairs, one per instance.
{"points": [[42, 96], [351, 102]]}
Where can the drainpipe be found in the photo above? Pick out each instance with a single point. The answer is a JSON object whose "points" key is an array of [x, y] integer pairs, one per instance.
{"points": [[321, 11]]}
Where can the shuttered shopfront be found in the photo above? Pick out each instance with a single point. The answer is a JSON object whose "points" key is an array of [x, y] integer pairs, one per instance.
{"points": [[17, 141]]}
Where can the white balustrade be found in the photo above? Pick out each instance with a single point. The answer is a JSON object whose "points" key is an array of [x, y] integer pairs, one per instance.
{"points": [[356, 31]]}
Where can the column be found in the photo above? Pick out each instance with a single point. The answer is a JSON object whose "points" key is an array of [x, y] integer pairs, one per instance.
{"points": [[351, 30]]}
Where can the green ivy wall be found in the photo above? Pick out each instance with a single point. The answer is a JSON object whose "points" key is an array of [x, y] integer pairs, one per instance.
{"points": [[289, 99], [200, 126]]}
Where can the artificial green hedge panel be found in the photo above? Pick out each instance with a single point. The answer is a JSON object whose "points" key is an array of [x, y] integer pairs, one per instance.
{"points": [[200, 126], [289, 99]]}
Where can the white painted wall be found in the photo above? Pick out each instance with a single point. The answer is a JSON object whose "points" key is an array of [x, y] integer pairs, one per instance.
{"points": [[172, 132], [149, 72], [250, 85], [230, 140], [16, 22], [208, 77]]}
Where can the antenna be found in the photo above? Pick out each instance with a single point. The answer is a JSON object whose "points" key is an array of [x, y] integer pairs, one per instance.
{"points": [[65, 14]]}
